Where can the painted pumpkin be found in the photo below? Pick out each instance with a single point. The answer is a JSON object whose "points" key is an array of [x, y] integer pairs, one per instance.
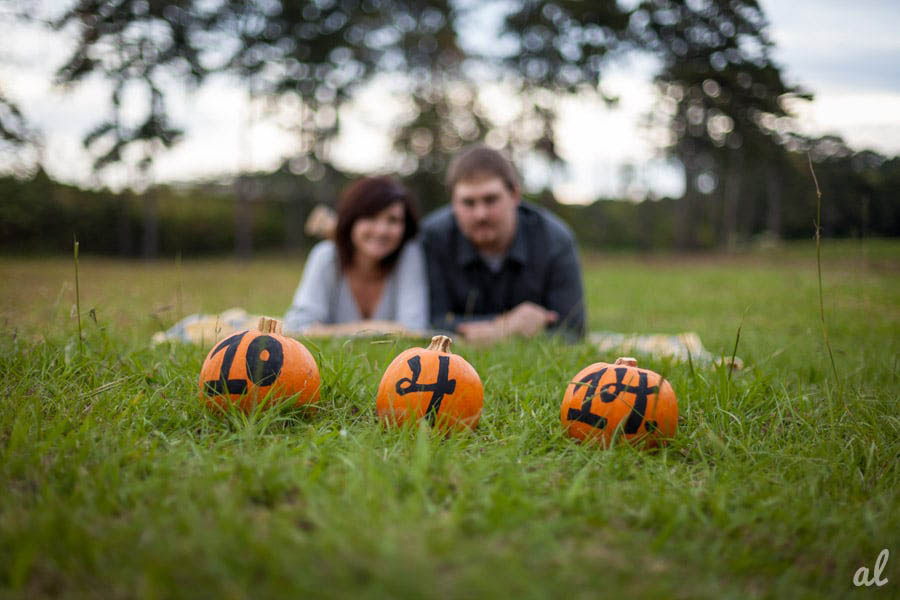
{"points": [[606, 400], [249, 367], [433, 384]]}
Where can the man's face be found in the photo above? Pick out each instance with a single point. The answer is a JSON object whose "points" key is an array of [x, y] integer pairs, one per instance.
{"points": [[485, 210]]}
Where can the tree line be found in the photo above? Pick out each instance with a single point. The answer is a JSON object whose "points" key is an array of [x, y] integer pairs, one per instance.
{"points": [[37, 214], [722, 102]]}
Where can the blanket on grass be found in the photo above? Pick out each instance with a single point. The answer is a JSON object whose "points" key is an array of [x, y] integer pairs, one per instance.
{"points": [[206, 329]]}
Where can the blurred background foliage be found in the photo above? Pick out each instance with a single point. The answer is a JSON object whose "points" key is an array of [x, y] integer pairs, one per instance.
{"points": [[722, 103]]}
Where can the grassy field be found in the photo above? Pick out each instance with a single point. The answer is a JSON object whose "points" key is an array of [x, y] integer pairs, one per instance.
{"points": [[116, 482]]}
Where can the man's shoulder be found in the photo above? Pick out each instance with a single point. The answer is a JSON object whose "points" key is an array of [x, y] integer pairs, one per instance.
{"points": [[555, 231], [438, 220], [438, 224]]}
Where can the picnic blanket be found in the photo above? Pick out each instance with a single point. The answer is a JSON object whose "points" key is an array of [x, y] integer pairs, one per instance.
{"points": [[205, 329]]}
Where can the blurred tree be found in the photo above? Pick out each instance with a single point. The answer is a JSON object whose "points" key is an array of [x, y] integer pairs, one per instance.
{"points": [[12, 125], [724, 103], [858, 189], [308, 55], [19, 143], [561, 47], [315, 52], [722, 98]]}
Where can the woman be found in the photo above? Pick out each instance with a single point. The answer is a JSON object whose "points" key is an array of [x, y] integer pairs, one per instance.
{"points": [[372, 276]]}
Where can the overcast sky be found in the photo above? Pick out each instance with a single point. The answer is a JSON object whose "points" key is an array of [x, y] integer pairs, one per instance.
{"points": [[847, 54]]}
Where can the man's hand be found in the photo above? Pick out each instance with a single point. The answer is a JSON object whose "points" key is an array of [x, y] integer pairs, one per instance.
{"points": [[480, 333], [527, 319]]}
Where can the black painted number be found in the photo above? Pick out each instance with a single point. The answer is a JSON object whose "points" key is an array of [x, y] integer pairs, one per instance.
{"points": [[264, 359], [609, 392], [584, 414], [443, 385]]}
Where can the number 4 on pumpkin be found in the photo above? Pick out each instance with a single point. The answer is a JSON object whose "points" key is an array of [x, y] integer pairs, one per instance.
{"points": [[443, 385]]}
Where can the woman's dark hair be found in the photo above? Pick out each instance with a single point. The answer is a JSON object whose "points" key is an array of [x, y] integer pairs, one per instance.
{"points": [[366, 198]]}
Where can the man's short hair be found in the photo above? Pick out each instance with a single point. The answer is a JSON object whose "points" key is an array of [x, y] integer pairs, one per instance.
{"points": [[480, 160]]}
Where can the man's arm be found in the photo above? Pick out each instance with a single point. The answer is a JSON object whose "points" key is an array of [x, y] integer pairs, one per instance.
{"points": [[438, 289], [527, 319], [564, 294]]}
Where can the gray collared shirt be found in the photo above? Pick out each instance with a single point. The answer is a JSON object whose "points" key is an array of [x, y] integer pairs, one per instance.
{"points": [[541, 267]]}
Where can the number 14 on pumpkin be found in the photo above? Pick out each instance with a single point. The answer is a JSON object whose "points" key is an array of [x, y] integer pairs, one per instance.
{"points": [[608, 393]]}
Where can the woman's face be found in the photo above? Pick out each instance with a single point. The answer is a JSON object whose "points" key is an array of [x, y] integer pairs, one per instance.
{"points": [[376, 237]]}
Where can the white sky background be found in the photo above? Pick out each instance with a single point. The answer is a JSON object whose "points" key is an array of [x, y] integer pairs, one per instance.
{"points": [[848, 55]]}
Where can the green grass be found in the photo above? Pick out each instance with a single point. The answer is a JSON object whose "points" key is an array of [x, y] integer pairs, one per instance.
{"points": [[116, 482]]}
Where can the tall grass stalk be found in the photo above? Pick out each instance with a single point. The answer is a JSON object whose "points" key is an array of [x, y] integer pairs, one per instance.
{"points": [[77, 297], [818, 225], [179, 304], [737, 340]]}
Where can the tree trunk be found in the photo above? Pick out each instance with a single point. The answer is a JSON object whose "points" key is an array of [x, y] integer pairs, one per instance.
{"points": [[684, 214], [293, 223], [150, 240], [773, 200], [243, 221], [731, 201], [123, 225]]}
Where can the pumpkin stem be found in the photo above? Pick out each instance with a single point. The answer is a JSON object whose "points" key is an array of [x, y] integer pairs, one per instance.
{"points": [[627, 361], [270, 325], [441, 343]]}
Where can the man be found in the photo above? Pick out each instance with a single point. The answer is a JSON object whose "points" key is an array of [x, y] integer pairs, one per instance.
{"points": [[497, 266]]}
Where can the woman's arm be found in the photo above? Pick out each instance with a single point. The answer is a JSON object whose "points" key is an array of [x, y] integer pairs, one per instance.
{"points": [[314, 295], [412, 288], [362, 328]]}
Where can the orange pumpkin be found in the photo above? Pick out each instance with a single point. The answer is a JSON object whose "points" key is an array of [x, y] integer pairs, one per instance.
{"points": [[249, 367], [433, 384], [603, 399]]}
